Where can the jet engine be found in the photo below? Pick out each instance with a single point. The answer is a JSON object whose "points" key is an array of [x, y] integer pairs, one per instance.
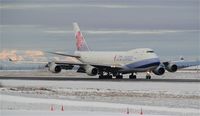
{"points": [[54, 68], [159, 70], [171, 67], [91, 71]]}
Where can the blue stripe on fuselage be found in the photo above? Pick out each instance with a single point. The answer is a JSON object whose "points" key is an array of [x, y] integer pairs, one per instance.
{"points": [[144, 63], [149, 65]]}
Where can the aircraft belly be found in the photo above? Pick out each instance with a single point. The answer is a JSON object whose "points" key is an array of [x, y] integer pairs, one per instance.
{"points": [[138, 69], [142, 66]]}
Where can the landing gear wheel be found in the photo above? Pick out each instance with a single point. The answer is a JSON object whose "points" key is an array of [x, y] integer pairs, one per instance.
{"points": [[119, 77], [108, 76], [105, 76], [148, 77], [101, 77], [132, 76]]}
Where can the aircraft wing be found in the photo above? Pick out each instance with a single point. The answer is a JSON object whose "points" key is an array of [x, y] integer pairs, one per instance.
{"points": [[68, 63], [84, 64], [27, 61], [62, 54], [107, 66], [99, 66], [182, 63], [104, 67]]}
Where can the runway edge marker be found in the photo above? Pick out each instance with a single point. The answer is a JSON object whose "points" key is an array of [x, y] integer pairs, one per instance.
{"points": [[62, 108], [141, 112], [52, 108], [127, 111]]}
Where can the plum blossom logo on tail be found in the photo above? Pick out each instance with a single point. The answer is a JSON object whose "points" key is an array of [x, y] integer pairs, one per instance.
{"points": [[79, 40]]}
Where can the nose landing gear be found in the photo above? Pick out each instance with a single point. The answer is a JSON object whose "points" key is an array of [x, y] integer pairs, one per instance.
{"points": [[148, 76]]}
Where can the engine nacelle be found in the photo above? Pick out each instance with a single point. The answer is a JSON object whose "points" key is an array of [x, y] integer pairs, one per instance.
{"points": [[159, 70], [54, 68], [91, 71], [171, 67]]}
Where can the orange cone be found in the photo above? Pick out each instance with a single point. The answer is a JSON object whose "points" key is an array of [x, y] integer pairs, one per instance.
{"points": [[127, 111], [141, 112], [52, 108], [62, 108]]}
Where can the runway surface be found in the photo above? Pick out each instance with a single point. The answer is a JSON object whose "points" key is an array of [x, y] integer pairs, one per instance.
{"points": [[96, 79]]}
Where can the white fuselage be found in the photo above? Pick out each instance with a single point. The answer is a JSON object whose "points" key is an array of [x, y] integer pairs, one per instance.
{"points": [[142, 59]]}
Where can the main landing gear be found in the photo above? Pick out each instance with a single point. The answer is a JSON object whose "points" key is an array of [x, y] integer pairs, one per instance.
{"points": [[105, 76], [119, 76], [132, 76], [108, 76]]}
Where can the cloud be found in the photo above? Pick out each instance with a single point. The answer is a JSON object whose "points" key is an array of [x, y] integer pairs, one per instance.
{"points": [[109, 6], [132, 32], [18, 26], [58, 31], [34, 53], [32, 56], [33, 6], [17, 55], [5, 55]]}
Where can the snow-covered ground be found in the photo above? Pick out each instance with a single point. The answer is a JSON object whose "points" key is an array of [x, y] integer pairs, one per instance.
{"points": [[67, 113], [89, 106], [103, 98]]}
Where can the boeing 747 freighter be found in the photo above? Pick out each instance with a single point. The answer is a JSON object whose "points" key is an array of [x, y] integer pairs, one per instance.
{"points": [[107, 64]]}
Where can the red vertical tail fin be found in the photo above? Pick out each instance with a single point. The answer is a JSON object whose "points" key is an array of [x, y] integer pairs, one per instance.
{"points": [[81, 44]]}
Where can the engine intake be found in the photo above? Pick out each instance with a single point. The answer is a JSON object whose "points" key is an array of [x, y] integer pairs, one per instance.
{"points": [[171, 67], [91, 71], [54, 68], [159, 70]]}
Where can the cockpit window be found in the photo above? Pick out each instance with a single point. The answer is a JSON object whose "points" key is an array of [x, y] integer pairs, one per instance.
{"points": [[150, 51]]}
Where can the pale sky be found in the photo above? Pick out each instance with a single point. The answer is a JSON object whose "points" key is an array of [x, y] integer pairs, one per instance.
{"points": [[170, 27]]}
